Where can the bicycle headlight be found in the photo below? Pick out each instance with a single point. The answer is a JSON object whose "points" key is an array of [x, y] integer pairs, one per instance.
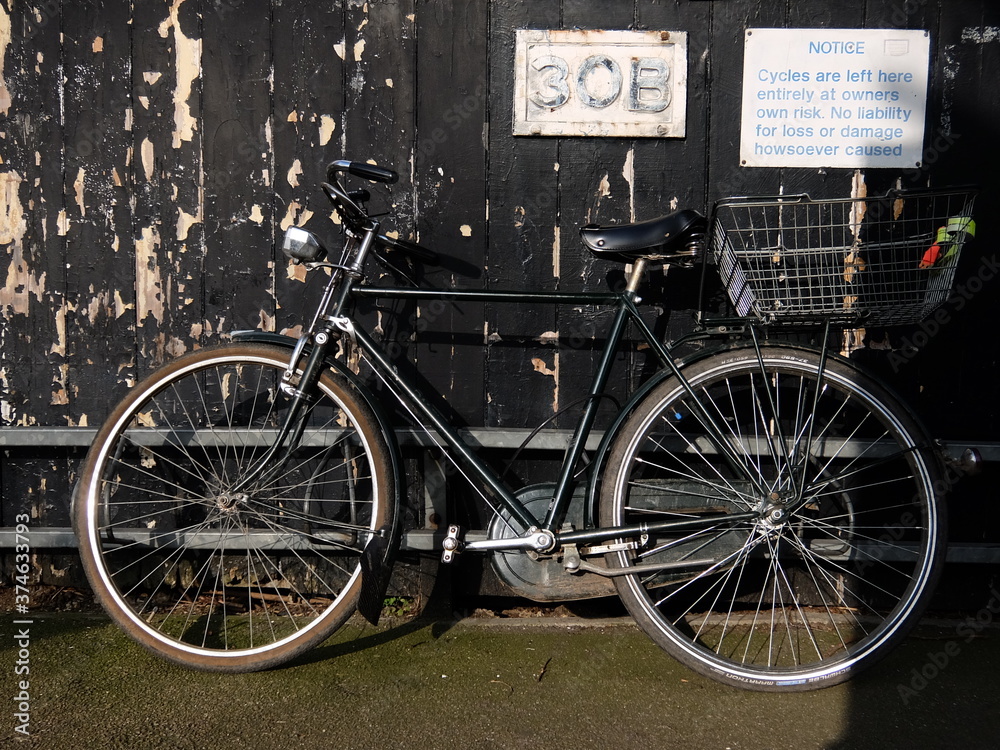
{"points": [[302, 246]]}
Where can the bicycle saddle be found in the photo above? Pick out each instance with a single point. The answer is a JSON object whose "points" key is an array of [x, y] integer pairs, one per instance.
{"points": [[652, 239]]}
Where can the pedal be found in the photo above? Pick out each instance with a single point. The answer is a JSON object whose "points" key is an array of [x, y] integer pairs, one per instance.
{"points": [[451, 544]]}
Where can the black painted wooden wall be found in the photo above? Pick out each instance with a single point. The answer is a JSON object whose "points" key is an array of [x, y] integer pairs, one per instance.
{"points": [[151, 154]]}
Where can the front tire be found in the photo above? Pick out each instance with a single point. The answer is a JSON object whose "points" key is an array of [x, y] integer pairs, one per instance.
{"points": [[201, 571], [811, 535]]}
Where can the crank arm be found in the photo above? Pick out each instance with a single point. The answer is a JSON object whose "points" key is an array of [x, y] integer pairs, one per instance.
{"points": [[534, 539], [539, 541]]}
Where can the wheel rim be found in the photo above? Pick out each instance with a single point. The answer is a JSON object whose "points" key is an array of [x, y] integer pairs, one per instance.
{"points": [[838, 552], [204, 567]]}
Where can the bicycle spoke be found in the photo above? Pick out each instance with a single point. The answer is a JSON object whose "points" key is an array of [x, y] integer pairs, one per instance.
{"points": [[207, 571], [692, 450], [778, 604]]}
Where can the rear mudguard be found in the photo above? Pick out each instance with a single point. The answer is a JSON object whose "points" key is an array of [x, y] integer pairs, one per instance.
{"points": [[380, 581]]}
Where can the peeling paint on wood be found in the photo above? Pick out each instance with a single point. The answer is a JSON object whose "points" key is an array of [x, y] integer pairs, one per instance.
{"points": [[326, 127], [78, 189], [628, 174], [293, 173], [187, 56], [148, 276], [4, 43], [146, 154], [541, 367], [185, 222], [22, 283], [981, 34], [12, 224]]}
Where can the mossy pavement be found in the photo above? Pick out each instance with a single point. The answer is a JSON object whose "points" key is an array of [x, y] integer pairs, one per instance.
{"points": [[486, 683]]}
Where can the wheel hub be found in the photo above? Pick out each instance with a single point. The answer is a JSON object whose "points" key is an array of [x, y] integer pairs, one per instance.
{"points": [[230, 502], [774, 509]]}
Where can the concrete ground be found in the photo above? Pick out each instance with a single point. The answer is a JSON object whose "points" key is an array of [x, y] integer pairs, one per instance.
{"points": [[484, 683]]}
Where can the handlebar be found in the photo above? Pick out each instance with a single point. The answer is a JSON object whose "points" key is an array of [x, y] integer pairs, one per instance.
{"points": [[352, 214], [356, 217], [366, 171], [347, 203]]}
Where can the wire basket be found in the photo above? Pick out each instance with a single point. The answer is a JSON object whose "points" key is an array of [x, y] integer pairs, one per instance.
{"points": [[887, 260]]}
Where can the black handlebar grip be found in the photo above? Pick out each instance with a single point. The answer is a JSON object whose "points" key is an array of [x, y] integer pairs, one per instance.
{"points": [[361, 169], [373, 173]]}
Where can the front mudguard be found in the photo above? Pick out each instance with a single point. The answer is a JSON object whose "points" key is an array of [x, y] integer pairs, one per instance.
{"points": [[377, 587]]}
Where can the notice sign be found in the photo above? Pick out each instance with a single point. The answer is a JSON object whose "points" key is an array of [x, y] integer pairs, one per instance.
{"points": [[834, 97]]}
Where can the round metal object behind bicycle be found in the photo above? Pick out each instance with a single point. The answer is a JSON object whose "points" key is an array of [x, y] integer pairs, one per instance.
{"points": [[540, 577]]}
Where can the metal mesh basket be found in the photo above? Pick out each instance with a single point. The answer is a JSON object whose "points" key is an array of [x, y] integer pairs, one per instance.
{"points": [[884, 260]]}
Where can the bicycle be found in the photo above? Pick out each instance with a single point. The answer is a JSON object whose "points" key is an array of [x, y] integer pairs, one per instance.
{"points": [[769, 513]]}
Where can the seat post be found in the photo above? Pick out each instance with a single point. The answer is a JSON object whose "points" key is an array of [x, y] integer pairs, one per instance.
{"points": [[638, 269]]}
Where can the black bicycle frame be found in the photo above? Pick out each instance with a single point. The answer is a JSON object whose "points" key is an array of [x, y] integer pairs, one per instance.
{"points": [[626, 312], [330, 322]]}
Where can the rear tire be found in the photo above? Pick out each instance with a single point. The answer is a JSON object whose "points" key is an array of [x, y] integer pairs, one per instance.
{"points": [[226, 580], [809, 552]]}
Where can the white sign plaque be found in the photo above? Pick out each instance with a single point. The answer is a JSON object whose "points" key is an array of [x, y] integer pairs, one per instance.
{"points": [[600, 83], [834, 97]]}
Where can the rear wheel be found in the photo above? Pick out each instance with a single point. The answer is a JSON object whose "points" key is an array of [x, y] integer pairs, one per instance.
{"points": [[807, 536], [208, 573]]}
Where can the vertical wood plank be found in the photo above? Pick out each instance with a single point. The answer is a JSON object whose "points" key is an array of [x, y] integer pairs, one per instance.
{"points": [[33, 228], [726, 176], [954, 368], [238, 167], [100, 304], [379, 49], [168, 175], [524, 210], [595, 186], [34, 223], [450, 183], [381, 92], [670, 174], [307, 132]]}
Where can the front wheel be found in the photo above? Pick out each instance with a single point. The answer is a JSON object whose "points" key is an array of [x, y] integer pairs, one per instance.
{"points": [[795, 535], [196, 564]]}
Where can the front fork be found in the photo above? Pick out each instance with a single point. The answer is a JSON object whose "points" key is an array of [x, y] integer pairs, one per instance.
{"points": [[299, 389], [324, 330]]}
